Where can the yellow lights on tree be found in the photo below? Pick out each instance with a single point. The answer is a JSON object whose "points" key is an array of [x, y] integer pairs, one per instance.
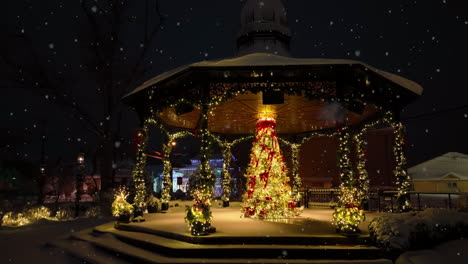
{"points": [[268, 191], [349, 214], [403, 179], [138, 172], [199, 215]]}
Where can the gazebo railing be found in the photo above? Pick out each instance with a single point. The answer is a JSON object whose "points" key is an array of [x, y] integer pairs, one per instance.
{"points": [[421, 200]]}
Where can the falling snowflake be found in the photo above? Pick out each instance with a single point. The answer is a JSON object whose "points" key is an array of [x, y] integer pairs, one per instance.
{"points": [[331, 23], [178, 23], [465, 115], [357, 53], [51, 45], [94, 9], [386, 53], [206, 54], [437, 70]]}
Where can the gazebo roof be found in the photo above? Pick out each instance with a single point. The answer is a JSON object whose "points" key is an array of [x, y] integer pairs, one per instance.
{"points": [[270, 60], [347, 78]]}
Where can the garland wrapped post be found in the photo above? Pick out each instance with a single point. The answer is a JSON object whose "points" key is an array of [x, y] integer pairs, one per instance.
{"points": [[167, 170], [362, 184], [268, 193], [199, 215], [403, 179], [349, 213], [297, 183], [138, 174], [227, 153]]}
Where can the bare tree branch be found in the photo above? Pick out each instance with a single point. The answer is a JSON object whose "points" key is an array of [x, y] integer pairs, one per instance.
{"points": [[39, 83]]}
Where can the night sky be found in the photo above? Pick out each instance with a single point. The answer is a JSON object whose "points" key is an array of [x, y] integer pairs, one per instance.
{"points": [[424, 40]]}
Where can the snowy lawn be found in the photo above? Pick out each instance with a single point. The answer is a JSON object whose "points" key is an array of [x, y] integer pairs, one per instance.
{"points": [[26, 244], [418, 230]]}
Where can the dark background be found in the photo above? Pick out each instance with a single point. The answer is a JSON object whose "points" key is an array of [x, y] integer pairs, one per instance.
{"points": [[425, 41]]}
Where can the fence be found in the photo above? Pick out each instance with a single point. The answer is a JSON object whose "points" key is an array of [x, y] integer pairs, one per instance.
{"points": [[380, 200]]}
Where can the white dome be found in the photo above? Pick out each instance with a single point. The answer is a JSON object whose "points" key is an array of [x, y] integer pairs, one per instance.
{"points": [[263, 28], [261, 15]]}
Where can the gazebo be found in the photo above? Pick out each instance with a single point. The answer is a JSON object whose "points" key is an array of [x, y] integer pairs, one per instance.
{"points": [[220, 102]]}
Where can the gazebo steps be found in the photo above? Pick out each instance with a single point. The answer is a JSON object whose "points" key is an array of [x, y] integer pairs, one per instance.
{"points": [[220, 238], [106, 244]]}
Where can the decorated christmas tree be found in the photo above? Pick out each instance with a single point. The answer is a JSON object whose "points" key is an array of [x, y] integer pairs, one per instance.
{"points": [[268, 191]]}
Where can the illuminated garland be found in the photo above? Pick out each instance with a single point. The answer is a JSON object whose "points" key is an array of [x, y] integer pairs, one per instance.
{"points": [[403, 179], [354, 189], [349, 213], [167, 150], [226, 183], [138, 172], [199, 215], [268, 192], [362, 190], [297, 183]]}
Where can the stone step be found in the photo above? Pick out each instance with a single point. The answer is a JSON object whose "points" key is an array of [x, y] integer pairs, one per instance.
{"points": [[84, 252], [175, 248], [217, 238], [128, 253]]}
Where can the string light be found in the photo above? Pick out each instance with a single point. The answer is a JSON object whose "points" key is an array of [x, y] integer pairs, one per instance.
{"points": [[354, 187], [269, 194], [138, 172]]}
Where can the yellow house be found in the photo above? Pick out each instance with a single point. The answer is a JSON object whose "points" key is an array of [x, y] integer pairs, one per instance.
{"points": [[446, 173]]}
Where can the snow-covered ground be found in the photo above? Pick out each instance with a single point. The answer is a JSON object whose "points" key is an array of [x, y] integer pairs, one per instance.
{"points": [[21, 245], [26, 244]]}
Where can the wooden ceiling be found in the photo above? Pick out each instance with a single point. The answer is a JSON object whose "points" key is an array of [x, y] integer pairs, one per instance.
{"points": [[240, 114]]}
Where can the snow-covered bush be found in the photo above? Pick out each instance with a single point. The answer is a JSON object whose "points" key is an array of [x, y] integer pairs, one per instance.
{"points": [[65, 213], [36, 213], [14, 219], [416, 230], [26, 217], [93, 212], [120, 206]]}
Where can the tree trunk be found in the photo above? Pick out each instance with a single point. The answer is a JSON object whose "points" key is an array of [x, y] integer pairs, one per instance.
{"points": [[106, 194]]}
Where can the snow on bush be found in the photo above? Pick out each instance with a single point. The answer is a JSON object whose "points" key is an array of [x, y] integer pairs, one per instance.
{"points": [[416, 230], [93, 212], [28, 216], [65, 213]]}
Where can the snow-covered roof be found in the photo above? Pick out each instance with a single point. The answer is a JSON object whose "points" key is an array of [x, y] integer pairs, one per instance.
{"points": [[265, 59], [451, 163]]}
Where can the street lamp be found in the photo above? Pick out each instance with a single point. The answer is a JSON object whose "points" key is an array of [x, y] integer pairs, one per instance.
{"points": [[80, 159]]}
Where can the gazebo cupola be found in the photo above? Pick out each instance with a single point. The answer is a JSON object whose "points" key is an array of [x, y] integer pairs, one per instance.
{"points": [[263, 28]]}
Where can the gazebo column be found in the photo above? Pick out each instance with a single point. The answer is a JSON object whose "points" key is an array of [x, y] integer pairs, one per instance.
{"points": [[199, 215], [297, 183], [349, 213], [227, 153], [362, 179], [167, 173], [401, 175], [138, 174]]}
